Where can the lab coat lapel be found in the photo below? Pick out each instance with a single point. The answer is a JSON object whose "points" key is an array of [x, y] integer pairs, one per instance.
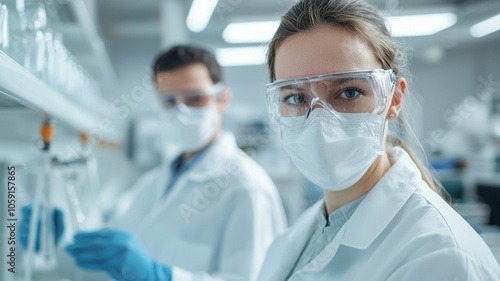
{"points": [[383, 202], [212, 164], [209, 166], [159, 188], [375, 212], [292, 247]]}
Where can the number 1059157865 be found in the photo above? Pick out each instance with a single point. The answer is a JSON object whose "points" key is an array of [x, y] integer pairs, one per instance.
{"points": [[11, 191]]}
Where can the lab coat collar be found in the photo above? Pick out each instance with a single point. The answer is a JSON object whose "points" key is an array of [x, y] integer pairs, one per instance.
{"points": [[215, 159], [383, 202], [296, 240], [209, 166]]}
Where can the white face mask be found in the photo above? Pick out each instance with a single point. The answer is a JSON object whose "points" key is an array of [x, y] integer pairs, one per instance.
{"points": [[189, 129], [334, 154]]}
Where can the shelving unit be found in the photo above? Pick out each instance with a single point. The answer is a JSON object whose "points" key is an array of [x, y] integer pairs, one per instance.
{"points": [[88, 29], [25, 99], [19, 87]]}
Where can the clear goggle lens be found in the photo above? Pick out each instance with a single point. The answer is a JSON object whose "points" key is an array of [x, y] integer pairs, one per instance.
{"points": [[349, 92], [195, 98]]}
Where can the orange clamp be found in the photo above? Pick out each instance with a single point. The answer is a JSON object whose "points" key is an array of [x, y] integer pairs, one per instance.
{"points": [[47, 132], [84, 138]]}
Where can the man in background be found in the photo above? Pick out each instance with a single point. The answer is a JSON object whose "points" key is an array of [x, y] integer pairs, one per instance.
{"points": [[208, 215]]}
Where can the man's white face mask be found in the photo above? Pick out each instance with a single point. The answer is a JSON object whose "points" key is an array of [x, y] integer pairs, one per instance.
{"points": [[189, 129], [190, 118]]}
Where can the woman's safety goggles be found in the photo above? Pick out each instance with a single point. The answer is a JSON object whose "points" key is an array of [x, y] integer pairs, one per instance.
{"points": [[194, 98], [365, 91]]}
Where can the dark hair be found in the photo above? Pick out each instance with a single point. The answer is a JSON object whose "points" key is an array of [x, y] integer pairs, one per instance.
{"points": [[183, 55]]}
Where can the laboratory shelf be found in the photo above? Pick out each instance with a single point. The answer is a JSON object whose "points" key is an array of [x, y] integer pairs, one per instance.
{"points": [[19, 86], [88, 29]]}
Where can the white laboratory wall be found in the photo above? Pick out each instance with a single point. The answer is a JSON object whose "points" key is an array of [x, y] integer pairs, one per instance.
{"points": [[488, 61], [248, 104], [450, 91], [132, 60], [441, 85]]}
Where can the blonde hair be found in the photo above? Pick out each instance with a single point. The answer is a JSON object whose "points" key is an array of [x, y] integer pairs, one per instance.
{"points": [[364, 21]]}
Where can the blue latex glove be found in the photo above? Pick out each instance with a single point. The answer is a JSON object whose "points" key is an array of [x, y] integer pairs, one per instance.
{"points": [[118, 253], [24, 226]]}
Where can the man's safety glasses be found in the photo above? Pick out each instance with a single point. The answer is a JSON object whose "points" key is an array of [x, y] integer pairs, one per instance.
{"points": [[192, 98]]}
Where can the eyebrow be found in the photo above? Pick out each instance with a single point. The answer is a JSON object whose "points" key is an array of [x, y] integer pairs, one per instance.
{"points": [[336, 82], [291, 87], [341, 81]]}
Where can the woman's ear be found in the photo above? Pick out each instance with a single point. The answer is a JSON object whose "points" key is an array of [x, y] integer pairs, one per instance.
{"points": [[225, 97], [397, 99]]}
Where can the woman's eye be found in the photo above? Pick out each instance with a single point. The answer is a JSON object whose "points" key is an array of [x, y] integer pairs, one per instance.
{"points": [[294, 99], [350, 94]]}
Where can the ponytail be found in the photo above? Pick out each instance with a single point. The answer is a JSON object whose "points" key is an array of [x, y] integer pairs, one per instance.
{"points": [[427, 176]]}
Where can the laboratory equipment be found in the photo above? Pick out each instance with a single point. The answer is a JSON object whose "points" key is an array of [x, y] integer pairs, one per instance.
{"points": [[81, 189], [93, 184], [489, 192], [24, 223], [76, 215], [42, 208], [15, 49], [34, 22], [27, 37], [67, 173], [47, 246], [4, 27], [60, 61], [50, 66]]}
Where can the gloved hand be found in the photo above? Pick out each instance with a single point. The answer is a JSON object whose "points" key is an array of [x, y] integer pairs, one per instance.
{"points": [[118, 253], [24, 226]]}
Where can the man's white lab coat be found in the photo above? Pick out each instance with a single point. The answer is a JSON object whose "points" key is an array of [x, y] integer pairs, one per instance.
{"points": [[215, 223]]}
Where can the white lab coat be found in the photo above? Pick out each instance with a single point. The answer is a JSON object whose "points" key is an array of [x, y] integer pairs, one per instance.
{"points": [[215, 223], [402, 230]]}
